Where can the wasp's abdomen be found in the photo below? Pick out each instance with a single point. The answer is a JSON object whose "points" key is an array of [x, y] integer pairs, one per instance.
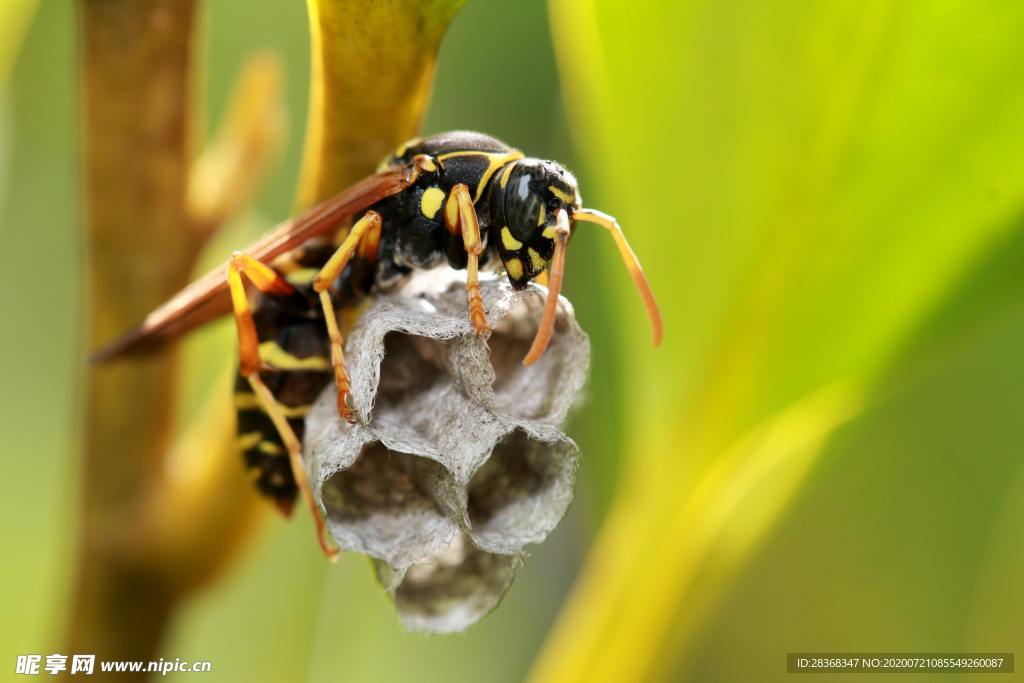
{"points": [[296, 368]]}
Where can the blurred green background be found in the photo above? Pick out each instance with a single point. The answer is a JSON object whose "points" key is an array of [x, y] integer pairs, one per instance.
{"points": [[828, 198]]}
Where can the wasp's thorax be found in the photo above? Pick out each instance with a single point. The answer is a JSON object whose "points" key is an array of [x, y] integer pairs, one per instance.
{"points": [[525, 198]]}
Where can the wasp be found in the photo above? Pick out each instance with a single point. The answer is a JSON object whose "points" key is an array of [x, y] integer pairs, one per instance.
{"points": [[463, 199]]}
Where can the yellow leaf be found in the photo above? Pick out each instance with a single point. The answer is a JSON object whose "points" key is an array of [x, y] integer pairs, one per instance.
{"points": [[15, 16], [373, 70]]}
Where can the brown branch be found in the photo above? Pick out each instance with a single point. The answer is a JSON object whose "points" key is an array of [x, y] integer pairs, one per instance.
{"points": [[158, 518], [135, 57]]}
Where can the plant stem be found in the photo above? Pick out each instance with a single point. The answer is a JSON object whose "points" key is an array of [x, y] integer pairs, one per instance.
{"points": [[135, 93]]}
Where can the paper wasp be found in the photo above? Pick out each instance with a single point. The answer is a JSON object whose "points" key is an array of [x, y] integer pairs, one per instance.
{"points": [[461, 198]]}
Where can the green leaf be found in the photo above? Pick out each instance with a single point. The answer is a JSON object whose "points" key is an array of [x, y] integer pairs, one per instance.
{"points": [[907, 536], [805, 183]]}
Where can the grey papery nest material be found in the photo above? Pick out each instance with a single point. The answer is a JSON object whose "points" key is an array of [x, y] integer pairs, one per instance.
{"points": [[458, 461]]}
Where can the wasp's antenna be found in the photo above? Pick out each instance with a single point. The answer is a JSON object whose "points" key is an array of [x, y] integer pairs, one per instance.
{"points": [[629, 258], [547, 323]]}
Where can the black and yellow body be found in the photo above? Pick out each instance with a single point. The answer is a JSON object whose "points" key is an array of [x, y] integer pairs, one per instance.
{"points": [[515, 200], [295, 354], [462, 199]]}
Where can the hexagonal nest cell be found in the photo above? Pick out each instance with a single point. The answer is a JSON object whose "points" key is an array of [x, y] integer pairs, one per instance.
{"points": [[458, 460]]}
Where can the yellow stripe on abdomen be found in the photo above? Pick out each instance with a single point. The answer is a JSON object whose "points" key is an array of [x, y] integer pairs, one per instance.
{"points": [[273, 355]]}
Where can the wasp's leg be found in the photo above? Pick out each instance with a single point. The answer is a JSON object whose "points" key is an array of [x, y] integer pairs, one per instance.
{"points": [[364, 235], [269, 282], [461, 217], [420, 164]]}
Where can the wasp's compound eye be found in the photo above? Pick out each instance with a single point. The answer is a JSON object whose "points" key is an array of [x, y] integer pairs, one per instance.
{"points": [[523, 200]]}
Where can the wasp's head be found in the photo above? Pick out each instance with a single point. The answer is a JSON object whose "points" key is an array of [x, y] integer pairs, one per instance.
{"points": [[530, 195], [536, 207]]}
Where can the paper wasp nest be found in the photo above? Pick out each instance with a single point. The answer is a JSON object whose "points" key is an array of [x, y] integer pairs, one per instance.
{"points": [[459, 460]]}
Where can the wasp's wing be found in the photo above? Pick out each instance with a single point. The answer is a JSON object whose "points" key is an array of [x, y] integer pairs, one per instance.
{"points": [[207, 298]]}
